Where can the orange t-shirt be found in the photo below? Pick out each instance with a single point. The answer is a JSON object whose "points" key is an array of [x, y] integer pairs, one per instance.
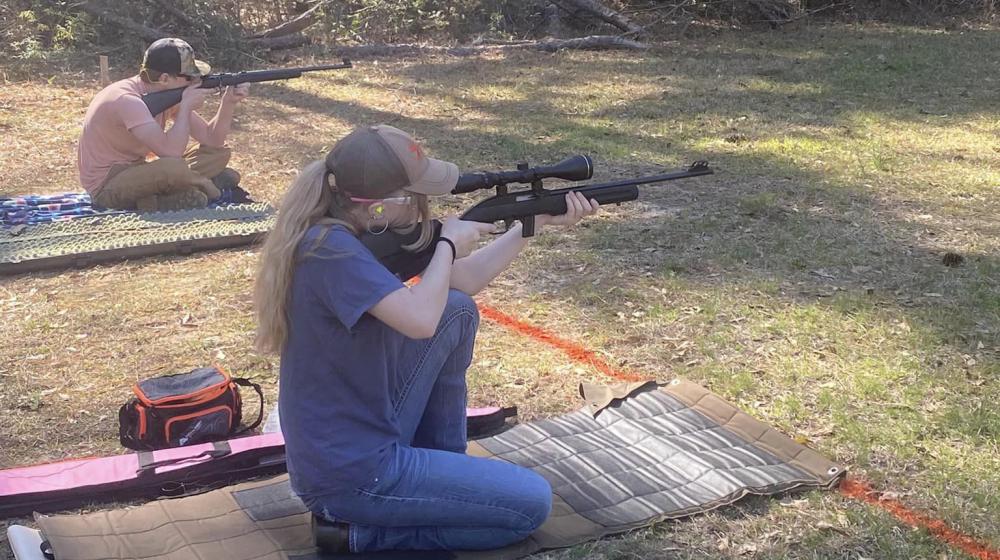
{"points": [[106, 139]]}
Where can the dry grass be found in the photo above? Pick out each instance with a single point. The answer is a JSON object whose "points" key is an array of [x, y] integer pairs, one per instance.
{"points": [[804, 281]]}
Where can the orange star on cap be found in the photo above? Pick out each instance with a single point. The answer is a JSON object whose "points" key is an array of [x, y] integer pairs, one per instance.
{"points": [[415, 148]]}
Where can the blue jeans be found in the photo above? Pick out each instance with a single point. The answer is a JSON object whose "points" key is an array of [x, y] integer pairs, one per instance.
{"points": [[431, 495]]}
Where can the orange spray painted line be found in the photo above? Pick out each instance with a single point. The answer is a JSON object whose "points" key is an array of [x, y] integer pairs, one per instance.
{"points": [[851, 487], [576, 352], [861, 491]]}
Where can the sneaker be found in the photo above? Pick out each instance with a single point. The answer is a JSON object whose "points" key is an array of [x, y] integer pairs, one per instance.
{"points": [[228, 179], [235, 195], [331, 537]]}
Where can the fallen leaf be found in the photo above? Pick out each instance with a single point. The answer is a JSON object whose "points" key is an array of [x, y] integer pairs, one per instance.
{"points": [[824, 431], [723, 543], [789, 502], [831, 527]]}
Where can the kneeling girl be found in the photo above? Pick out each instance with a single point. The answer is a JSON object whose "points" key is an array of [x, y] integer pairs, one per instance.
{"points": [[372, 384]]}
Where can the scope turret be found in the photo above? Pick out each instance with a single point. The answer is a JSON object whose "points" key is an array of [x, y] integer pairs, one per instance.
{"points": [[575, 168]]}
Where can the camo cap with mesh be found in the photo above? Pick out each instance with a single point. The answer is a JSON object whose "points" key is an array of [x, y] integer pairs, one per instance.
{"points": [[174, 56]]}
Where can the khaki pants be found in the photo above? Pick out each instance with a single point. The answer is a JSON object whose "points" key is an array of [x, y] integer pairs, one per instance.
{"points": [[136, 185]]}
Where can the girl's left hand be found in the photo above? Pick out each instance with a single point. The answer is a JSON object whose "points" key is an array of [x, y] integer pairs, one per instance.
{"points": [[577, 206]]}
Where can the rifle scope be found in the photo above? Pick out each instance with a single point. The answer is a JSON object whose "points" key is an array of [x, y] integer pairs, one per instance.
{"points": [[575, 168]]}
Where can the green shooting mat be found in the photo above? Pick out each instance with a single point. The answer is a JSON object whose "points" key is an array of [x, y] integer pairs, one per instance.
{"points": [[634, 455], [90, 240]]}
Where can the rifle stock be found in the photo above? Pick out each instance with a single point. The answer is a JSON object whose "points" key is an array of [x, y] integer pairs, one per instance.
{"points": [[160, 101], [525, 207]]}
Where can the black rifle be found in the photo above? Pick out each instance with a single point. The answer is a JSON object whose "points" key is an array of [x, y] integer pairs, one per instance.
{"points": [[522, 205], [160, 101]]}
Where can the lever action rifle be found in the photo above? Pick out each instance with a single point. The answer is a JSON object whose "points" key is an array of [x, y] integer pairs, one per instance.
{"points": [[160, 101], [521, 205]]}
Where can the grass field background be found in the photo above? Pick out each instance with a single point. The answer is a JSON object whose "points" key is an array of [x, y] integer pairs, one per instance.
{"points": [[804, 281]]}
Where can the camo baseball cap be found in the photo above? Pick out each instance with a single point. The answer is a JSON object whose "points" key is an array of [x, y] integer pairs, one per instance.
{"points": [[174, 56], [376, 160]]}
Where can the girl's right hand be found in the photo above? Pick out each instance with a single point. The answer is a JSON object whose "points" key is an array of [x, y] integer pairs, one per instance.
{"points": [[464, 234]]}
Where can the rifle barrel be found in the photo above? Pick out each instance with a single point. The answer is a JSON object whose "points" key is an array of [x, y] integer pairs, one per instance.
{"points": [[345, 64], [528, 202], [696, 170], [163, 100]]}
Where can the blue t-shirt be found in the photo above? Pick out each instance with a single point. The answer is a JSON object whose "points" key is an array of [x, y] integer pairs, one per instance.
{"points": [[334, 402]]}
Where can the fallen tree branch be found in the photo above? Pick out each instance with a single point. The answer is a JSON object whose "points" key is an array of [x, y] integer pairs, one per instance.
{"points": [[603, 13], [592, 42], [494, 42], [295, 25]]}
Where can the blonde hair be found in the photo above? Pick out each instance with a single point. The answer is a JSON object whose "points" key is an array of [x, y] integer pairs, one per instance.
{"points": [[309, 201]]}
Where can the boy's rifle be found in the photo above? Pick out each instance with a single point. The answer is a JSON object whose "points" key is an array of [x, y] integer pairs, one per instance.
{"points": [[160, 101]]}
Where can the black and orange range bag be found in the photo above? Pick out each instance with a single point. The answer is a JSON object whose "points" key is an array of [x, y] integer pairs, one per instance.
{"points": [[201, 405]]}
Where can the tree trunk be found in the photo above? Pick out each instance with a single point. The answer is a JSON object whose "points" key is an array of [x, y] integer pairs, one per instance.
{"points": [[552, 25]]}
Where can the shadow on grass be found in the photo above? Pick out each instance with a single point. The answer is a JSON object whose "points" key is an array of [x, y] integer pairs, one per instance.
{"points": [[843, 242], [782, 221]]}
